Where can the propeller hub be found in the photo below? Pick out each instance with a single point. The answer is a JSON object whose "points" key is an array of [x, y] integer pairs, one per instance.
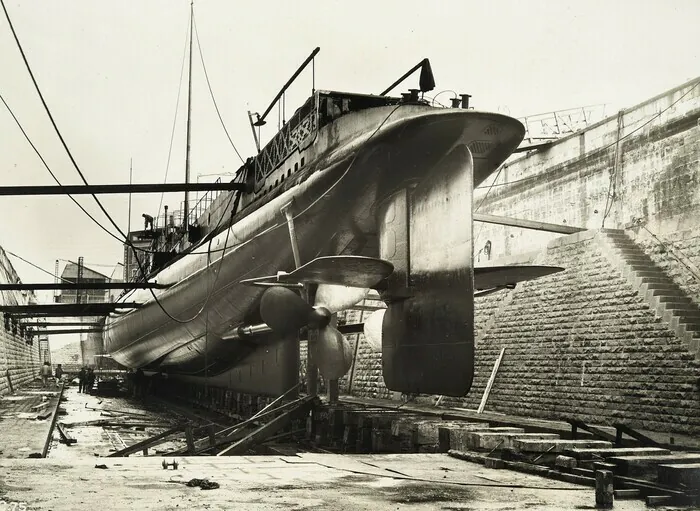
{"points": [[319, 317]]}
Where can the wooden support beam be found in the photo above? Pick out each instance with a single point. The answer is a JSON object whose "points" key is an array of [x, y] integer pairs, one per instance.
{"points": [[59, 323], [66, 331], [487, 390], [190, 439], [67, 309], [236, 432], [267, 430], [145, 443], [526, 224], [533, 147], [110, 189], [596, 432], [622, 428], [73, 286]]}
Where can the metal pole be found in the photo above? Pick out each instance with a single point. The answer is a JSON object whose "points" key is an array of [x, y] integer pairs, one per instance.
{"points": [[311, 368], [128, 219], [189, 122]]}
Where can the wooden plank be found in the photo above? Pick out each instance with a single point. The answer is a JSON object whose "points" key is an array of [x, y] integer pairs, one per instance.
{"points": [[622, 428], [65, 437], [233, 433], [526, 224], [658, 500], [626, 494], [604, 435], [212, 434], [487, 390], [267, 430]]}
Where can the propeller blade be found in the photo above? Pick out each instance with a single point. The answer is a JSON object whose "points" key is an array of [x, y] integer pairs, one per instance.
{"points": [[373, 329], [337, 298], [333, 353], [283, 310]]}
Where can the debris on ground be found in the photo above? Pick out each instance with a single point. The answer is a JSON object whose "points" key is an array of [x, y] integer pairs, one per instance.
{"points": [[204, 484]]}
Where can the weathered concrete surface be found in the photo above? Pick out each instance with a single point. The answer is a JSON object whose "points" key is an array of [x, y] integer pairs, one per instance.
{"points": [[21, 432], [100, 430], [318, 481]]}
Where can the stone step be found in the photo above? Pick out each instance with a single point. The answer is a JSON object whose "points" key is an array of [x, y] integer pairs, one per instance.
{"points": [[627, 246], [642, 266], [680, 310], [631, 257], [674, 317], [488, 440], [680, 475], [650, 273], [665, 296], [620, 238], [558, 446], [458, 437], [674, 298], [638, 270], [630, 250], [646, 466], [597, 454], [692, 340], [640, 281], [688, 327]]}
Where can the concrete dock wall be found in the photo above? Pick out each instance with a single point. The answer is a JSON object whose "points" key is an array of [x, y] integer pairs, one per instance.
{"points": [[636, 170], [19, 361]]}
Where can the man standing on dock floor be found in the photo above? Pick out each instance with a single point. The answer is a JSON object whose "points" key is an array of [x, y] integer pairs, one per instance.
{"points": [[58, 374], [82, 376], [45, 373]]}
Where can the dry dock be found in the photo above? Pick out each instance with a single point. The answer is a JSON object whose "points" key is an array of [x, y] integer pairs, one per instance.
{"points": [[79, 475]]}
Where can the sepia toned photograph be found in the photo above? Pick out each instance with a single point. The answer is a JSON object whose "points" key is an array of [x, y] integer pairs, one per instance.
{"points": [[349, 255]]}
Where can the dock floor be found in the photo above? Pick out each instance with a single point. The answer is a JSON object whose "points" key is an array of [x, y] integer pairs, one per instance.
{"points": [[306, 481], [22, 433], [79, 476]]}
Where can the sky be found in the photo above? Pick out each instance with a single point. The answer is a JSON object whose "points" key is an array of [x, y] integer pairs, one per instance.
{"points": [[110, 73]]}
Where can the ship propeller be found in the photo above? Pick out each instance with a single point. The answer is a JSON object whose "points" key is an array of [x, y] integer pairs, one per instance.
{"points": [[373, 329], [286, 312]]}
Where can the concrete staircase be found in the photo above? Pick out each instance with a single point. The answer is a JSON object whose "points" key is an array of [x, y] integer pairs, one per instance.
{"points": [[659, 291]]}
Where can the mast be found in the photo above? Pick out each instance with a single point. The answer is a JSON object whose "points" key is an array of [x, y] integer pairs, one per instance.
{"points": [[189, 135]]}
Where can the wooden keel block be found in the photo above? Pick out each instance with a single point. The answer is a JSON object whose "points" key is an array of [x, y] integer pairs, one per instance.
{"points": [[604, 489]]}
